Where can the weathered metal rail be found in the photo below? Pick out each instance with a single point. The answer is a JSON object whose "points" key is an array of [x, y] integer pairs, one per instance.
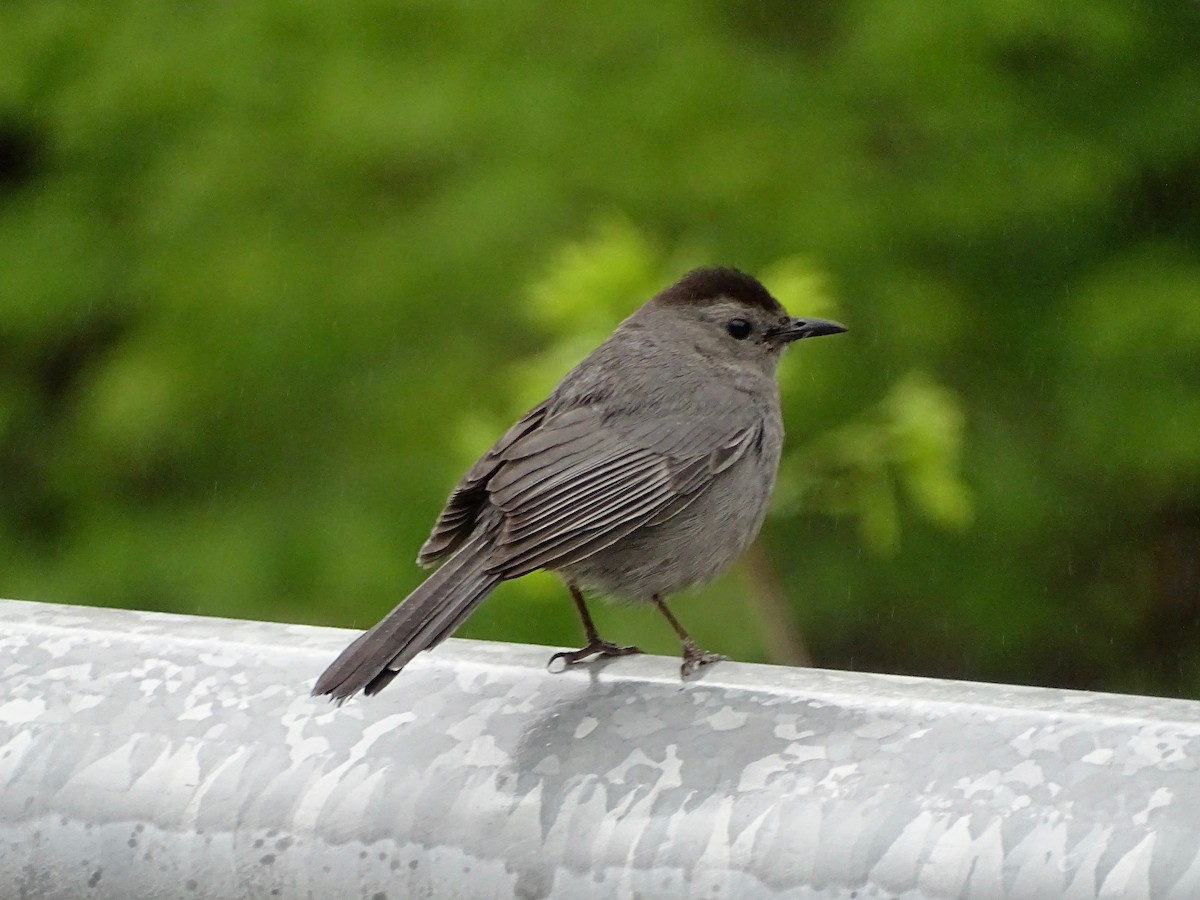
{"points": [[148, 756]]}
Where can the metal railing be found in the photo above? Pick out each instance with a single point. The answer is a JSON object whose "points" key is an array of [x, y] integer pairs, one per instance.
{"points": [[147, 756]]}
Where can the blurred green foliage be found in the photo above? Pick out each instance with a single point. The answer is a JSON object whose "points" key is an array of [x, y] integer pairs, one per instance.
{"points": [[272, 274]]}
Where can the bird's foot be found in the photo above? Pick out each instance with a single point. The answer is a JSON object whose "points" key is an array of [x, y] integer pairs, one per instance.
{"points": [[695, 656], [596, 649]]}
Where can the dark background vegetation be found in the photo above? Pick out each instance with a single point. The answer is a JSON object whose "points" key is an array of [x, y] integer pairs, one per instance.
{"points": [[272, 274]]}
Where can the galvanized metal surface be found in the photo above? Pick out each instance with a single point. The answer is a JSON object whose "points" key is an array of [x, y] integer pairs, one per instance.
{"points": [[145, 755]]}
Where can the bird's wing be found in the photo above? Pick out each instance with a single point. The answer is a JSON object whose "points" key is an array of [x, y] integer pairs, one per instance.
{"points": [[577, 482], [469, 496]]}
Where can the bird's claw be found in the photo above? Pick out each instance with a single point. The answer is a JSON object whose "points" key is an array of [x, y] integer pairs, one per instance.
{"points": [[597, 649], [695, 656]]}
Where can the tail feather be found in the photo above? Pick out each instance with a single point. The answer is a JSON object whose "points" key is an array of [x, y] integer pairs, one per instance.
{"points": [[424, 619]]}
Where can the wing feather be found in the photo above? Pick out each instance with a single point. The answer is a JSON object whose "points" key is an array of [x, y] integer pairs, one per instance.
{"points": [[568, 495], [569, 473], [592, 511], [560, 546], [469, 497], [575, 497], [569, 483]]}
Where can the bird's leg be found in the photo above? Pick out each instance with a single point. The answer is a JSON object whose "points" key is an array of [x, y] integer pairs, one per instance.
{"points": [[596, 646], [693, 654]]}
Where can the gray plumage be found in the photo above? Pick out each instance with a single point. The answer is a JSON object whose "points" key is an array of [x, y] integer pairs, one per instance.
{"points": [[648, 469]]}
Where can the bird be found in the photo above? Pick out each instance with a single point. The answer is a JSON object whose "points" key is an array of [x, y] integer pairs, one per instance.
{"points": [[648, 469]]}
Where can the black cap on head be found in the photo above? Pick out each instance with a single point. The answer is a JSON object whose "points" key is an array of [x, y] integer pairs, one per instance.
{"points": [[710, 282]]}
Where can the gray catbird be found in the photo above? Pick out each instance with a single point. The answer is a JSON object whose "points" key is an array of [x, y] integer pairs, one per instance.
{"points": [[647, 470]]}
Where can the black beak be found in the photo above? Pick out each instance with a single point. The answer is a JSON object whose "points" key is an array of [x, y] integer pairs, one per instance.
{"points": [[796, 329]]}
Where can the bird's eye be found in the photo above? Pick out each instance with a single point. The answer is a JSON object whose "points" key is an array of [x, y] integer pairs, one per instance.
{"points": [[739, 329]]}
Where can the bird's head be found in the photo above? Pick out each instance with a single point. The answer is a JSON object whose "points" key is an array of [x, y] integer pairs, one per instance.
{"points": [[726, 314]]}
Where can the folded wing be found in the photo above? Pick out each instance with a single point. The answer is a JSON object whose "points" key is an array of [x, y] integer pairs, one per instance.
{"points": [[579, 484]]}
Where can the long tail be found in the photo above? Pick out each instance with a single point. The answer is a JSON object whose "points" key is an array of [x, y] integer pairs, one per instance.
{"points": [[424, 619]]}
